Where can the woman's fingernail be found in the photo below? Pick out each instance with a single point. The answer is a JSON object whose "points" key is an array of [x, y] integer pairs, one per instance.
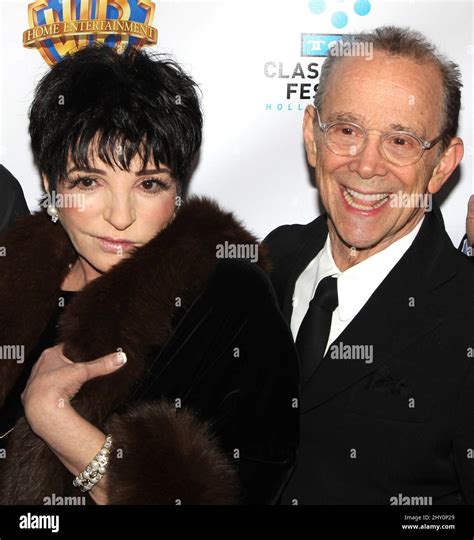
{"points": [[120, 359]]}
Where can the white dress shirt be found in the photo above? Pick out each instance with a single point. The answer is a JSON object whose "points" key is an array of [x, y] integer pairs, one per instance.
{"points": [[354, 286]]}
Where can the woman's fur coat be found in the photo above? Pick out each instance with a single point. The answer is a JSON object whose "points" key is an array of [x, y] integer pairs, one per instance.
{"points": [[165, 450]]}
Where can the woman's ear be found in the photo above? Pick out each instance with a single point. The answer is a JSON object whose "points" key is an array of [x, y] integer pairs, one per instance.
{"points": [[45, 183], [308, 132]]}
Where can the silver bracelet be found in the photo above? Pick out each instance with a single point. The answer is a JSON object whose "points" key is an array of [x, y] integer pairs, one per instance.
{"points": [[96, 469]]}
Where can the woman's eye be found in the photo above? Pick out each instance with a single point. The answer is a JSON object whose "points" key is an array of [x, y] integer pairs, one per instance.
{"points": [[85, 183], [154, 185]]}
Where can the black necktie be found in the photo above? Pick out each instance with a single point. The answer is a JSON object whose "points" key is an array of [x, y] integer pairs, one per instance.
{"points": [[313, 333]]}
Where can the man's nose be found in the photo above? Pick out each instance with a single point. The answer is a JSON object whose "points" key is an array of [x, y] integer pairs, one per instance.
{"points": [[369, 161]]}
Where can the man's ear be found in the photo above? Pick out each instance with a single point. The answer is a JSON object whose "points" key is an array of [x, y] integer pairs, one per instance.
{"points": [[308, 132], [446, 165]]}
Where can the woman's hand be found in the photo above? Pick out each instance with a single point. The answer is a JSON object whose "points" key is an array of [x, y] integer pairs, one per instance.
{"points": [[53, 382]]}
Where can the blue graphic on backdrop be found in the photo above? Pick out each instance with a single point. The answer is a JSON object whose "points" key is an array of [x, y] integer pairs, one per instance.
{"points": [[340, 18]]}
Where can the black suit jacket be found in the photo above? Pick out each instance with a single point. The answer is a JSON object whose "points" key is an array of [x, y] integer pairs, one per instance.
{"points": [[12, 200], [403, 424]]}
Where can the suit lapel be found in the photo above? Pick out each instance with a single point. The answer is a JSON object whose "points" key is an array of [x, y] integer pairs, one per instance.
{"points": [[399, 313], [312, 242]]}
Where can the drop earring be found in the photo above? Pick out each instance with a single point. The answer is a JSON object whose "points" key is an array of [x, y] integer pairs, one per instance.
{"points": [[53, 212]]}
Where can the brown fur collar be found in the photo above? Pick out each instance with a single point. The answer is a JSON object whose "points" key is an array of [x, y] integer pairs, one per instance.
{"points": [[130, 306]]}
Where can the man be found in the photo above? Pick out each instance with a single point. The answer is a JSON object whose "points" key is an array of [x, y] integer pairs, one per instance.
{"points": [[380, 303], [12, 200]]}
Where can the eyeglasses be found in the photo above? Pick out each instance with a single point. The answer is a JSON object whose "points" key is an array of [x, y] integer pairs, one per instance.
{"points": [[398, 147]]}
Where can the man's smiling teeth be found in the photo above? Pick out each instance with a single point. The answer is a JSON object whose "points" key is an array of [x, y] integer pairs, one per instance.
{"points": [[367, 197], [378, 198]]}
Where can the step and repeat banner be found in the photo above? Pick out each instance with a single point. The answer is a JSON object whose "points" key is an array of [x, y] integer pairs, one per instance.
{"points": [[257, 64]]}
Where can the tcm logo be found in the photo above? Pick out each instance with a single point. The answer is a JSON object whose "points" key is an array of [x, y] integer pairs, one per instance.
{"points": [[61, 27], [318, 44]]}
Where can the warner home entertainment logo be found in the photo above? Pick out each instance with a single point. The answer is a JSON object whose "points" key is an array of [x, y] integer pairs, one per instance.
{"points": [[61, 27]]}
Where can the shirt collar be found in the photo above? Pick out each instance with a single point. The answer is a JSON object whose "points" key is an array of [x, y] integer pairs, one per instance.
{"points": [[357, 284]]}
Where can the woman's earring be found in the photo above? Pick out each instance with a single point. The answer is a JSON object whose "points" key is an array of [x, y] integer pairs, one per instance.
{"points": [[53, 212]]}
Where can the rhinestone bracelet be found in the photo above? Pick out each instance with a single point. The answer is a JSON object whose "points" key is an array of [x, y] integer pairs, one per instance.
{"points": [[96, 469]]}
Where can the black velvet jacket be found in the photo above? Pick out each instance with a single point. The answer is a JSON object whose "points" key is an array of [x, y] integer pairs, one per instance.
{"points": [[205, 410]]}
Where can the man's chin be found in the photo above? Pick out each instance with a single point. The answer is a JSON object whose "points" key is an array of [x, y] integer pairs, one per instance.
{"points": [[360, 240]]}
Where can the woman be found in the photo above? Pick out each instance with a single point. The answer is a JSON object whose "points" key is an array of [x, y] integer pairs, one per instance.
{"points": [[204, 409]]}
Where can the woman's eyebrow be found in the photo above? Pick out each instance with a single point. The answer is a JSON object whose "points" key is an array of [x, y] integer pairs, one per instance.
{"points": [[86, 169], [144, 172]]}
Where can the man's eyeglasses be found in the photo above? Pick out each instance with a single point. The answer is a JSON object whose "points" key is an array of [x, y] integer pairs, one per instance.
{"points": [[398, 147]]}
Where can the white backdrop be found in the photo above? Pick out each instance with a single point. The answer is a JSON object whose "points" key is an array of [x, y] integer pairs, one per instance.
{"points": [[243, 54]]}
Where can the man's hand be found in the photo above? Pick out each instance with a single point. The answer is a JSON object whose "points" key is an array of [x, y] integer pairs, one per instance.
{"points": [[470, 221]]}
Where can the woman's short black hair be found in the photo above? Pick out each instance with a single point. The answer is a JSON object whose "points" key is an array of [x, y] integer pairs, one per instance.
{"points": [[124, 103]]}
